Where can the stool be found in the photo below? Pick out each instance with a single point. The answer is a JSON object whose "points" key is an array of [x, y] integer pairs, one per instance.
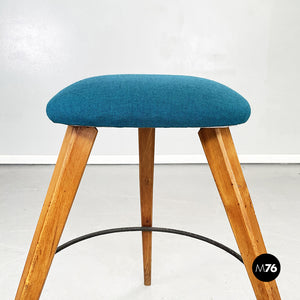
{"points": [[145, 102]]}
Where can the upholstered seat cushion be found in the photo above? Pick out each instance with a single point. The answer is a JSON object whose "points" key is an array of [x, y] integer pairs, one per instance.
{"points": [[148, 101]]}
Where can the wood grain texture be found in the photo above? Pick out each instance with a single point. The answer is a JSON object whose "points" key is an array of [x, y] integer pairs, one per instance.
{"points": [[227, 172], [146, 169], [72, 159]]}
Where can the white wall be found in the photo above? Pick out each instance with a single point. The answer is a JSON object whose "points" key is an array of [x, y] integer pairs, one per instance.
{"points": [[252, 46]]}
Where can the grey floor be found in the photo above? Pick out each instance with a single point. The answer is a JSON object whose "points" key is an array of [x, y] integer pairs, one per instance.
{"points": [[185, 197]]}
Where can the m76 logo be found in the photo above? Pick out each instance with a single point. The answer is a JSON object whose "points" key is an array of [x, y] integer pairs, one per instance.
{"points": [[266, 267]]}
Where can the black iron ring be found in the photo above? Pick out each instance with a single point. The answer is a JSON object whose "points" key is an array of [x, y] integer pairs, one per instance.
{"points": [[158, 229]]}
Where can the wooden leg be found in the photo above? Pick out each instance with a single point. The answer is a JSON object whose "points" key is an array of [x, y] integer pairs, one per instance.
{"points": [[146, 153], [224, 164], [65, 180]]}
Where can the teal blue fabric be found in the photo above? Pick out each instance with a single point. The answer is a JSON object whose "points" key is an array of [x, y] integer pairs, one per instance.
{"points": [[148, 101]]}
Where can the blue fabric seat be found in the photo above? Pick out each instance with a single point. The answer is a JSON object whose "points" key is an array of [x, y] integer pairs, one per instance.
{"points": [[148, 101]]}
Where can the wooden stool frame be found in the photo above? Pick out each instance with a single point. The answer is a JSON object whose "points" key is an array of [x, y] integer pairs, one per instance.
{"points": [[77, 144]]}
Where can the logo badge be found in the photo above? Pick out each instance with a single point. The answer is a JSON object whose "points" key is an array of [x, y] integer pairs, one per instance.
{"points": [[266, 267]]}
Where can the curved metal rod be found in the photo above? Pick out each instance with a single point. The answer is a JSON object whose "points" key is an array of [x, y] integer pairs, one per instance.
{"points": [[158, 229]]}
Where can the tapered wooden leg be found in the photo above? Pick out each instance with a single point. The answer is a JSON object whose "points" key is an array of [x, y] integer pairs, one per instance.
{"points": [[224, 164], [65, 180], [146, 153]]}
